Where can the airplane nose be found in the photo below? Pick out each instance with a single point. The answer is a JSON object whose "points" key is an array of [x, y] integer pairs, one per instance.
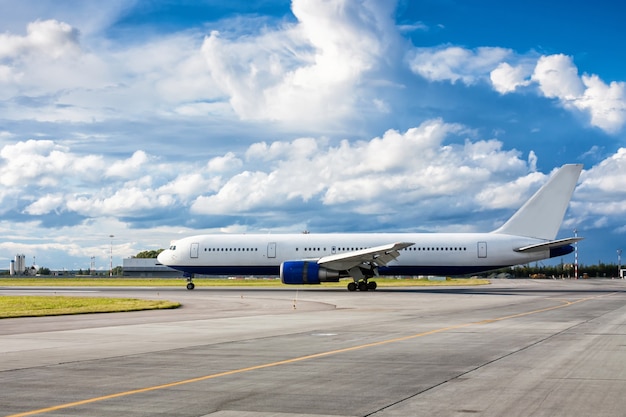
{"points": [[163, 257]]}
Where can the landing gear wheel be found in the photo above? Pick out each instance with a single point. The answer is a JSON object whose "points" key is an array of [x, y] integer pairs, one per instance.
{"points": [[190, 286], [371, 285], [362, 286], [352, 286]]}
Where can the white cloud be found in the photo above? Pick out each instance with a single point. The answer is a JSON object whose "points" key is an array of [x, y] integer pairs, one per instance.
{"points": [[189, 185], [42, 162], [69, 82], [128, 168], [511, 194], [304, 72], [45, 204], [396, 168], [49, 38], [126, 201], [453, 63], [607, 178], [605, 103], [226, 163], [506, 78], [557, 77]]}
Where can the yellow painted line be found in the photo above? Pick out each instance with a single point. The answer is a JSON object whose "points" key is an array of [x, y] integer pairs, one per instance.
{"points": [[298, 359]]}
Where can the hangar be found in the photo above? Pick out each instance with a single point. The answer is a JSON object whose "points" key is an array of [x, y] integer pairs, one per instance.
{"points": [[147, 268]]}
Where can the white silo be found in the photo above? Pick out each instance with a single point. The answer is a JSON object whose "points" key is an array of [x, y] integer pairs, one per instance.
{"points": [[20, 264], [12, 268]]}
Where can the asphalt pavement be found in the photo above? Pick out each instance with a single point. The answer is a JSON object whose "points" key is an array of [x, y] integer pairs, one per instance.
{"points": [[512, 348]]}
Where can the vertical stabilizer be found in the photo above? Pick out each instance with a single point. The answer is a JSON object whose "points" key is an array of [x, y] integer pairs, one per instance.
{"points": [[543, 213]]}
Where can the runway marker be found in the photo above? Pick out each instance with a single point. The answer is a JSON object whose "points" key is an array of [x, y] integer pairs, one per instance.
{"points": [[301, 358]]}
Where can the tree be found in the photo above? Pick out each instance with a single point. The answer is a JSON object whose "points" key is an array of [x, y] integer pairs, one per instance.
{"points": [[149, 254], [43, 271]]}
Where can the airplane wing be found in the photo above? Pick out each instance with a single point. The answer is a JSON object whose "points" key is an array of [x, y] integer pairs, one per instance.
{"points": [[371, 257], [549, 245]]}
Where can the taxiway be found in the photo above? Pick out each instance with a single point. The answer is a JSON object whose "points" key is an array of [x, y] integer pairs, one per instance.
{"points": [[514, 348]]}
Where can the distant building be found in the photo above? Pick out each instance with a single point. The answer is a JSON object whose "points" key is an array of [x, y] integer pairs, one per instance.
{"points": [[147, 268]]}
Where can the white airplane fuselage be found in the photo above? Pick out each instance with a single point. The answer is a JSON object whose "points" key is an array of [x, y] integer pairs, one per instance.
{"points": [[431, 253]]}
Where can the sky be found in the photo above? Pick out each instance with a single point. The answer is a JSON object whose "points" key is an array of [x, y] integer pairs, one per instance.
{"points": [[151, 120]]}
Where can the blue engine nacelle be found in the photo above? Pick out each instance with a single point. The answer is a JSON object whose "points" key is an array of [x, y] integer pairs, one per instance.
{"points": [[305, 272]]}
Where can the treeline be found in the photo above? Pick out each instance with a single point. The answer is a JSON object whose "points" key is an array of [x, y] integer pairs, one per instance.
{"points": [[600, 270]]}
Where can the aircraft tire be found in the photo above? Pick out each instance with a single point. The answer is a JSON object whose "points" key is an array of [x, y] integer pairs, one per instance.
{"points": [[371, 285], [352, 286], [190, 286], [362, 286]]}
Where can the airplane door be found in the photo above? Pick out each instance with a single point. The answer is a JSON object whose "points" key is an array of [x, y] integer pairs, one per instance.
{"points": [[193, 250], [271, 250], [482, 249]]}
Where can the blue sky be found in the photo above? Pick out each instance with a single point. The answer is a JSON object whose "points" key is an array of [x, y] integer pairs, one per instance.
{"points": [[153, 120]]}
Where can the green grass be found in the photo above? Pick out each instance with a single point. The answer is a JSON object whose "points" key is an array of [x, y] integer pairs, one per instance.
{"points": [[212, 282], [36, 306]]}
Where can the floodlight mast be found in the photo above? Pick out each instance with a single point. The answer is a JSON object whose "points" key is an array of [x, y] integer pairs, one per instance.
{"points": [[111, 257], [575, 255]]}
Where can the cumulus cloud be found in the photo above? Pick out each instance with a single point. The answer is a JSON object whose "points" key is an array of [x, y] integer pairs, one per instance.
{"points": [[128, 168], [126, 201], [49, 38], [398, 167], [36, 171], [226, 163], [506, 78], [189, 185], [453, 63], [511, 194], [43, 163], [307, 71], [600, 199], [606, 104], [606, 180], [64, 81], [556, 77], [45, 204]]}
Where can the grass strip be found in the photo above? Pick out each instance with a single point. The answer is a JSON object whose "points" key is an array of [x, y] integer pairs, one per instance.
{"points": [[37, 306]]}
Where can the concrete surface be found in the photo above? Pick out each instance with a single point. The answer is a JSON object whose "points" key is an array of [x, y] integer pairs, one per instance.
{"points": [[514, 348]]}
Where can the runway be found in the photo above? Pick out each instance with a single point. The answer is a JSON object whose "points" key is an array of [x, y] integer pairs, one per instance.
{"points": [[514, 348]]}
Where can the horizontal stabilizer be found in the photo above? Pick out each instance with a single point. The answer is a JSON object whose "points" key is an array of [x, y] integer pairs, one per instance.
{"points": [[549, 245]]}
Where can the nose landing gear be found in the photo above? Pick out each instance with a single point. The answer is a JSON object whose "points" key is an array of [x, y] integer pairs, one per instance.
{"points": [[190, 284]]}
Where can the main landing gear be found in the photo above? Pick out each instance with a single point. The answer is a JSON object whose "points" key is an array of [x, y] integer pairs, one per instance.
{"points": [[363, 285], [190, 284]]}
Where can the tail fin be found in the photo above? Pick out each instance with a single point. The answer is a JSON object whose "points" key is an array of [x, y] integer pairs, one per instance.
{"points": [[541, 216]]}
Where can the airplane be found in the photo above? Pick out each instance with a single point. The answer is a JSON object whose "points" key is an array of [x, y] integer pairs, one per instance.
{"points": [[308, 258]]}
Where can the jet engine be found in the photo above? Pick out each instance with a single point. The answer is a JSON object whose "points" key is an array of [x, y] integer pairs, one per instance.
{"points": [[306, 272]]}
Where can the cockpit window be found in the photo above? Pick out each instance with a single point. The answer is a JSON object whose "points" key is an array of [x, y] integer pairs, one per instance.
{"points": [[173, 247]]}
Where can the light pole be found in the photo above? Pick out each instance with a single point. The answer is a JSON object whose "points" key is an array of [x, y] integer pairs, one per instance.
{"points": [[619, 263], [111, 257], [576, 255]]}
